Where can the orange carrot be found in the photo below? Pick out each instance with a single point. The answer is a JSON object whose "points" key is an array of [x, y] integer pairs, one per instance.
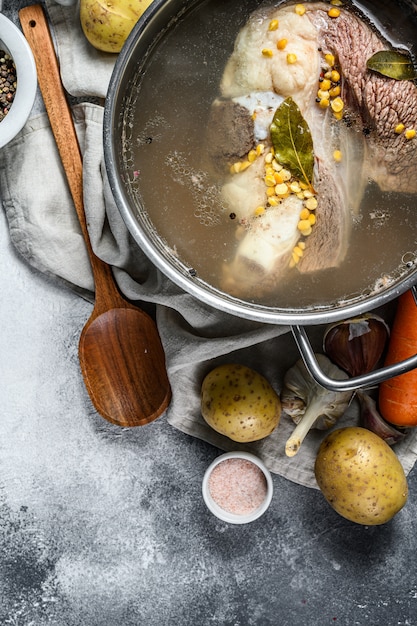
{"points": [[398, 396]]}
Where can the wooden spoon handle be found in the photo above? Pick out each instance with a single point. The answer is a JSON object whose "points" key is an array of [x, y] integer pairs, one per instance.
{"points": [[36, 30]]}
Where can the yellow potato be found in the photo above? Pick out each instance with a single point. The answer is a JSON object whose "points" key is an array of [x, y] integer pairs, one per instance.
{"points": [[239, 403], [360, 476], [107, 23]]}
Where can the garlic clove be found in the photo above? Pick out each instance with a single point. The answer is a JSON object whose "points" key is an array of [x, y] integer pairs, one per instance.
{"points": [[292, 405], [372, 420], [357, 344]]}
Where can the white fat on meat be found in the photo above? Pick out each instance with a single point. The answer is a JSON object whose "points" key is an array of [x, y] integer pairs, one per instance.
{"points": [[265, 250], [243, 192], [272, 235], [248, 70]]}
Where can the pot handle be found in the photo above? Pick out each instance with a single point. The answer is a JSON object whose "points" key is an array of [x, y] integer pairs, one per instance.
{"points": [[370, 379]]}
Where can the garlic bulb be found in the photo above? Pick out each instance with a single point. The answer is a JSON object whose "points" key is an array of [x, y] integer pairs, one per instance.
{"points": [[308, 404], [357, 344]]}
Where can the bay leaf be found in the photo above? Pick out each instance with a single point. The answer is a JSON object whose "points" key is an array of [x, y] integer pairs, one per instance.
{"points": [[392, 64], [292, 141]]}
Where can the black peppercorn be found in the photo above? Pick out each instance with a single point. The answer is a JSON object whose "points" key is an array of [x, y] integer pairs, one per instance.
{"points": [[8, 83]]}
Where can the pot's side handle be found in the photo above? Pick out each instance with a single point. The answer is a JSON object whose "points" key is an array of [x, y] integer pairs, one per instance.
{"points": [[371, 379], [349, 384]]}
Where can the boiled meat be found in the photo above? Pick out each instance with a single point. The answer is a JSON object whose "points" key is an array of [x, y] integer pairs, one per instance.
{"points": [[257, 78]]}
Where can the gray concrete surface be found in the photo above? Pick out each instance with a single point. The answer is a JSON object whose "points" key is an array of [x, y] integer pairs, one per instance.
{"points": [[101, 526]]}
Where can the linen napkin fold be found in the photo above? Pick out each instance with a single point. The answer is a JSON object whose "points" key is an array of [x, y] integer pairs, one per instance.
{"points": [[44, 229], [85, 71]]}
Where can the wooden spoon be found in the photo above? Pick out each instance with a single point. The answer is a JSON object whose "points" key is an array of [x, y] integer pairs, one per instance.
{"points": [[120, 351]]}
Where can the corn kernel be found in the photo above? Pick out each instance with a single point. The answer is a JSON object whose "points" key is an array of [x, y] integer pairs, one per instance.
{"points": [[277, 167], [300, 9], [308, 193], [292, 263], [285, 174], [278, 178], [330, 59], [273, 201], [306, 232], [312, 219], [303, 225], [295, 187], [304, 185], [269, 157], [337, 156], [325, 84], [324, 103], [311, 203], [235, 168], [291, 58], [302, 245], [323, 95], [336, 3], [305, 214], [269, 172], [252, 156], [338, 115], [282, 44], [270, 180], [295, 258], [333, 13], [273, 25], [410, 133], [260, 149], [281, 190], [334, 91], [399, 128], [270, 191], [335, 76], [298, 251], [300, 195], [244, 166], [337, 105], [267, 52], [260, 210], [254, 116]]}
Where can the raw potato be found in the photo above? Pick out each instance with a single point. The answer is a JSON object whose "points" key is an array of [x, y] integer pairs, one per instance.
{"points": [[107, 23], [239, 403], [360, 476]]}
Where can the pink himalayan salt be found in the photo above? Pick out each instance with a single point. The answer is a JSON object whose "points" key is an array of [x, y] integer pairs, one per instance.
{"points": [[237, 486]]}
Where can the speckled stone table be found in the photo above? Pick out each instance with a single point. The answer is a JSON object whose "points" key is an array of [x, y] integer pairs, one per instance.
{"points": [[101, 526]]}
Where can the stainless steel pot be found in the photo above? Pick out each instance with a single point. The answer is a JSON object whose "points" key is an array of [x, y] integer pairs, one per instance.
{"points": [[146, 41]]}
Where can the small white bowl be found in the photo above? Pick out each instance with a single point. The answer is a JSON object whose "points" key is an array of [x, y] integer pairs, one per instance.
{"points": [[13, 42], [227, 515]]}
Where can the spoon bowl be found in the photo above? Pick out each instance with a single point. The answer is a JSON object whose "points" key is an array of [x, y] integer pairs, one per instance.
{"points": [[121, 355], [129, 332]]}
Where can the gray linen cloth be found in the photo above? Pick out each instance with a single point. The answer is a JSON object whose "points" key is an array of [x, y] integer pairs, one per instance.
{"points": [[44, 229]]}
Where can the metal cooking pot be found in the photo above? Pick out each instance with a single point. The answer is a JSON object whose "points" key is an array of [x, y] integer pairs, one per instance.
{"points": [[144, 48]]}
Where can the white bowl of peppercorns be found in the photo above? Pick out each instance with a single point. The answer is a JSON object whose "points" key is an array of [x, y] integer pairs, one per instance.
{"points": [[18, 80]]}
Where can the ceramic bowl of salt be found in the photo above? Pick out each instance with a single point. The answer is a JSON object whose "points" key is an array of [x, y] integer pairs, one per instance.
{"points": [[18, 80], [237, 487]]}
